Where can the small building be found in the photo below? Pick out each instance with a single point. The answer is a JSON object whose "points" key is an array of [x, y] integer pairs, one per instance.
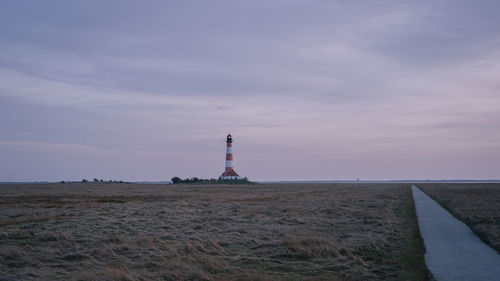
{"points": [[230, 175]]}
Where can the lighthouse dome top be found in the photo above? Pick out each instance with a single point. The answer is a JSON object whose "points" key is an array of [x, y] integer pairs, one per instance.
{"points": [[229, 138]]}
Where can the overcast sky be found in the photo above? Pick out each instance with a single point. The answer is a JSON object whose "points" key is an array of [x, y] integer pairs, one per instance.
{"points": [[310, 90]]}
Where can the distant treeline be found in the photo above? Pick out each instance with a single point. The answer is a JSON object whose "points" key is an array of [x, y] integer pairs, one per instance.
{"points": [[212, 180], [94, 180], [190, 180], [173, 180]]}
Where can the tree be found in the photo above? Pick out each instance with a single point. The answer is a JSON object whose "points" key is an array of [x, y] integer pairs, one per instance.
{"points": [[176, 180]]}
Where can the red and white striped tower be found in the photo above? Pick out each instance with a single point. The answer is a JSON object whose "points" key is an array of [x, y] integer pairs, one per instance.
{"points": [[229, 173], [229, 153]]}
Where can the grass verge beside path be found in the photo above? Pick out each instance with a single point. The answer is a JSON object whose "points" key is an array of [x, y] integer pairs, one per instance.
{"points": [[412, 258]]}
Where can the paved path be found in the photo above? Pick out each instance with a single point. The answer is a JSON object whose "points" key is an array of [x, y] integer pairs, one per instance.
{"points": [[453, 251]]}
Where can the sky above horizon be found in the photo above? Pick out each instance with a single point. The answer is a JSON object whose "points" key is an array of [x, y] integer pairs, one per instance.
{"points": [[310, 90]]}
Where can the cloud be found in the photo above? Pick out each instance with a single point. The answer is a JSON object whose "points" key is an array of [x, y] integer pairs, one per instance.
{"points": [[309, 86]]}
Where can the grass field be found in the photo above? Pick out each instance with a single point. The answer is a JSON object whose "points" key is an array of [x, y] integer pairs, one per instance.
{"points": [[478, 205], [214, 232]]}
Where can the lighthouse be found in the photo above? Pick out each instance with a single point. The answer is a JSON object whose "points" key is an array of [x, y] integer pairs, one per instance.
{"points": [[229, 173]]}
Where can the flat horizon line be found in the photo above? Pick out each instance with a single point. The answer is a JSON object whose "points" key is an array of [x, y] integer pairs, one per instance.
{"points": [[290, 181]]}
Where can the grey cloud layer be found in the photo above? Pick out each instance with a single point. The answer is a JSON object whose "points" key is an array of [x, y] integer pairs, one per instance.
{"points": [[372, 79]]}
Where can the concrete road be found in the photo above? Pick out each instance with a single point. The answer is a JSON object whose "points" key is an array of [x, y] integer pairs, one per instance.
{"points": [[453, 251]]}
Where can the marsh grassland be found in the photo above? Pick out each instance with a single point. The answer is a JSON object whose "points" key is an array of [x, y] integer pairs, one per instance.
{"points": [[214, 232], [476, 204]]}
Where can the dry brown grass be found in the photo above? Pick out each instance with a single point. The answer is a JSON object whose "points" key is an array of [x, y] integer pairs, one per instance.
{"points": [[26, 219], [476, 204], [214, 232]]}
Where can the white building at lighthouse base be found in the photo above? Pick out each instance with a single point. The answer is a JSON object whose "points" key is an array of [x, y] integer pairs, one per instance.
{"points": [[230, 175]]}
